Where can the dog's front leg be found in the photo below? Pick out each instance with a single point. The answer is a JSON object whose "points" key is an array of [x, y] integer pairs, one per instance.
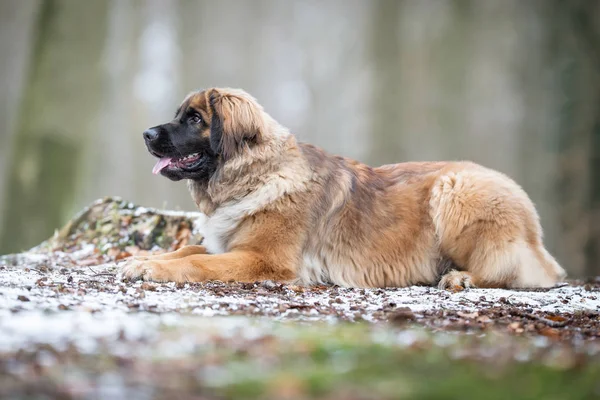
{"points": [[173, 255], [245, 266]]}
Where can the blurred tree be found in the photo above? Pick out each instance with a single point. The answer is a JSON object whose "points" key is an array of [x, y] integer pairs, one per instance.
{"points": [[577, 37], [585, 22], [15, 43], [57, 113], [386, 141]]}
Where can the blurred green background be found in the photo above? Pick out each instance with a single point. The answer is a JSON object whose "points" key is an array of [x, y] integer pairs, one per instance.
{"points": [[514, 85]]}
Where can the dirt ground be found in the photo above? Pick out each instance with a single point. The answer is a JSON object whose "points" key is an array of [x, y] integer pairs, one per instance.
{"points": [[69, 328]]}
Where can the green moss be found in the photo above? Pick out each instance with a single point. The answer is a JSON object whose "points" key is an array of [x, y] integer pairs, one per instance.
{"points": [[338, 363]]}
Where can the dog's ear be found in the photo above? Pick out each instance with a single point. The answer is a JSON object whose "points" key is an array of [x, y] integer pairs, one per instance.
{"points": [[236, 122]]}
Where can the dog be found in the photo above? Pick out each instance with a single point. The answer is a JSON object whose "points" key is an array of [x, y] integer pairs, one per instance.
{"points": [[277, 209]]}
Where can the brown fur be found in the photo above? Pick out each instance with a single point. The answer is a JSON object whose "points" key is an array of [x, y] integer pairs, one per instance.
{"points": [[283, 210]]}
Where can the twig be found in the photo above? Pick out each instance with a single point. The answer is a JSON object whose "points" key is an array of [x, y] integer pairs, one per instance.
{"points": [[553, 324], [102, 273], [549, 322]]}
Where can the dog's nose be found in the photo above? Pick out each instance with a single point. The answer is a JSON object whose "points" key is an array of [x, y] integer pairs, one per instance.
{"points": [[151, 134]]}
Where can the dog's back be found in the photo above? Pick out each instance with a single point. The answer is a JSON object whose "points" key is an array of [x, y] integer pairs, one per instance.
{"points": [[396, 224]]}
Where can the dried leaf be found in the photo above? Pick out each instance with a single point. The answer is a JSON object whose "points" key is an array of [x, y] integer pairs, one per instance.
{"points": [[552, 333], [122, 255], [148, 286], [133, 250], [402, 315], [295, 288], [555, 318], [113, 252], [467, 315], [86, 262]]}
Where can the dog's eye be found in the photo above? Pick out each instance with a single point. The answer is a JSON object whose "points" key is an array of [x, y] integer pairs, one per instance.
{"points": [[195, 118]]}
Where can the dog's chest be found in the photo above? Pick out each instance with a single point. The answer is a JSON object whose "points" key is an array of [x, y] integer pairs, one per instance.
{"points": [[216, 230], [219, 227]]}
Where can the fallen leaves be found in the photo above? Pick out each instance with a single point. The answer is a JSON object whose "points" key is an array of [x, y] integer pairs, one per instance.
{"points": [[551, 333], [117, 254], [148, 286], [401, 316], [117, 230], [556, 318], [62, 278], [112, 230], [468, 315], [516, 327]]}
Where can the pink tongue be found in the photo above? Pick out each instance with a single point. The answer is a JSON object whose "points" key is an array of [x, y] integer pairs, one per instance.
{"points": [[162, 163]]}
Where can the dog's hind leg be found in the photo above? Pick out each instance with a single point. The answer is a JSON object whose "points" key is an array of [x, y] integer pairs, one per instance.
{"points": [[508, 264], [489, 228], [483, 261]]}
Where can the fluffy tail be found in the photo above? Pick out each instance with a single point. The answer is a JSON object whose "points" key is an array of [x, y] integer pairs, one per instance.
{"points": [[538, 268]]}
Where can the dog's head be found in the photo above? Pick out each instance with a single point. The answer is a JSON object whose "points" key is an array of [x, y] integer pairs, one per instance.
{"points": [[210, 127]]}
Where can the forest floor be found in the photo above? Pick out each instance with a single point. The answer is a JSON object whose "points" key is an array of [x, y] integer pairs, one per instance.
{"points": [[70, 329]]}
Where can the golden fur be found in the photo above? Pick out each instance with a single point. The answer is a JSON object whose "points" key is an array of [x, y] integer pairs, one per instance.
{"points": [[282, 210]]}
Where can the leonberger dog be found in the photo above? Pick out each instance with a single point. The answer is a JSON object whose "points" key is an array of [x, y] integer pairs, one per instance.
{"points": [[278, 209]]}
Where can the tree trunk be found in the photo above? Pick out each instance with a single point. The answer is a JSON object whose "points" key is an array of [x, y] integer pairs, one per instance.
{"points": [[57, 112], [16, 32], [577, 37], [386, 145]]}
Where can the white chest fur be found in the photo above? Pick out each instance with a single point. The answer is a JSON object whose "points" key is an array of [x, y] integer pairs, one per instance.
{"points": [[215, 229], [220, 225]]}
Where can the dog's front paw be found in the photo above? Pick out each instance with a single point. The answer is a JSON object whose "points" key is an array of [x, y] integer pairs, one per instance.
{"points": [[144, 269], [153, 270], [133, 269]]}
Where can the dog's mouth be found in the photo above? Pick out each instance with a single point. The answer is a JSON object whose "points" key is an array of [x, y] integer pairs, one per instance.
{"points": [[187, 163]]}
